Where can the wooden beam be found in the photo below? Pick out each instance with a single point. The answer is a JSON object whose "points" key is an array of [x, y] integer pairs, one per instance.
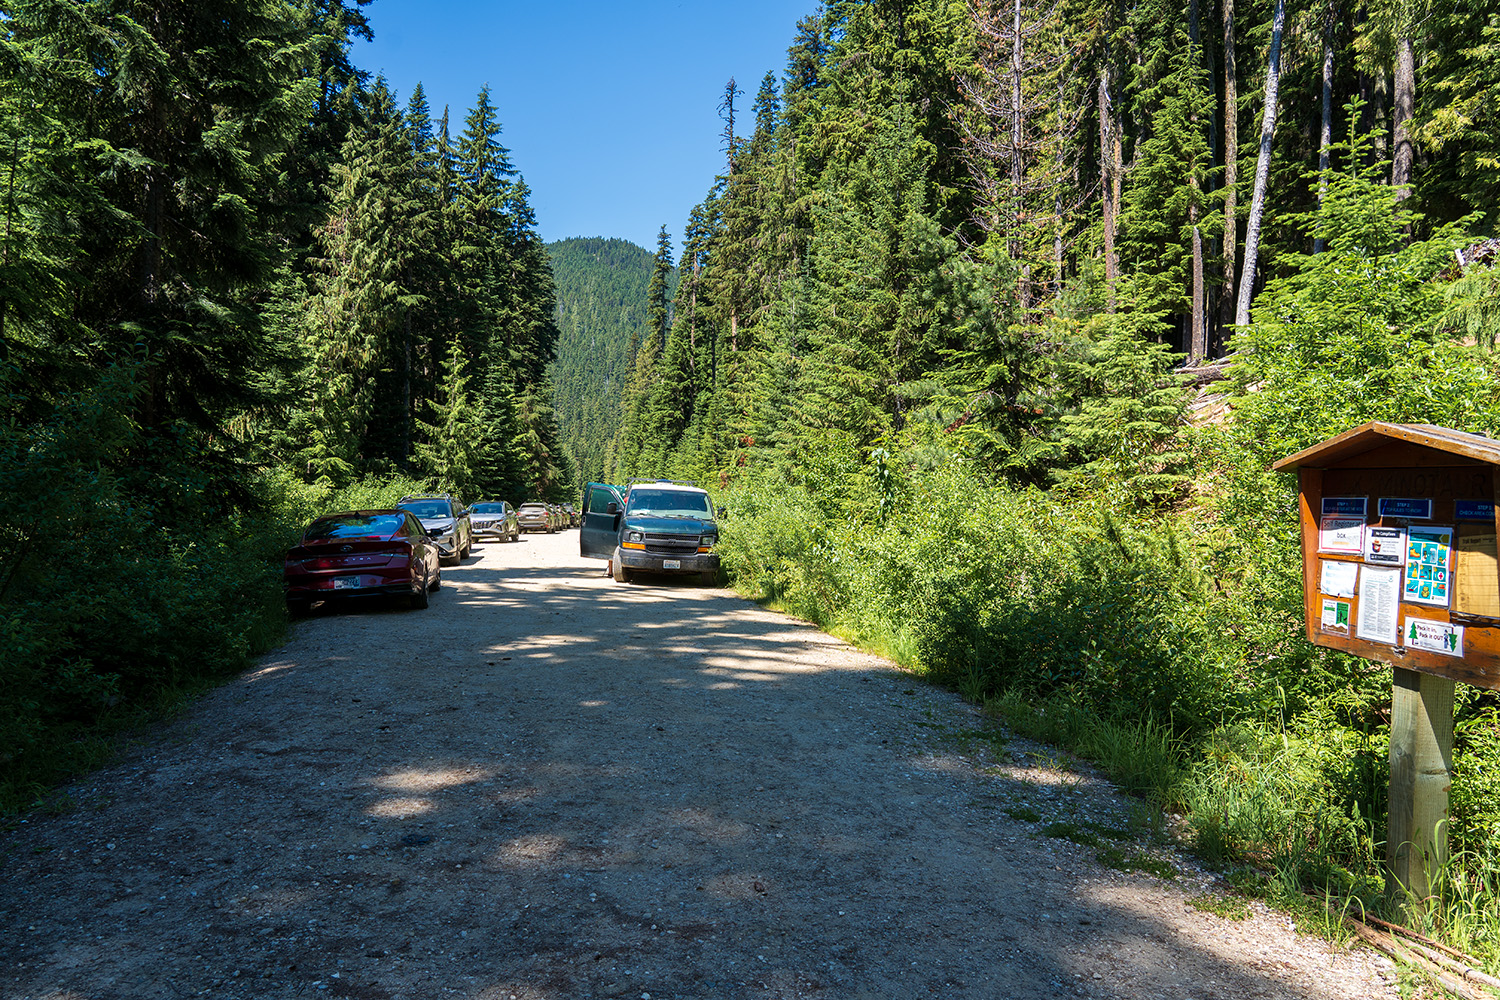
{"points": [[1421, 758]]}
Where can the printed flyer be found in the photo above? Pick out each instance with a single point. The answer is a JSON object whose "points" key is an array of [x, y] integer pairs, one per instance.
{"points": [[1342, 534], [1434, 637], [1338, 578], [1378, 618], [1336, 616], [1429, 566], [1385, 546]]}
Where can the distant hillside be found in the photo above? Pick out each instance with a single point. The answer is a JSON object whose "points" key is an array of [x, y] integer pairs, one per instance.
{"points": [[601, 299]]}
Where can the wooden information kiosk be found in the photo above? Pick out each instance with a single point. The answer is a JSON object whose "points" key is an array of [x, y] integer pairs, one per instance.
{"points": [[1399, 565]]}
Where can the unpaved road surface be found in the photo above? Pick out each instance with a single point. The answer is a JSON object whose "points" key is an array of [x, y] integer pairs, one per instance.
{"points": [[548, 785]]}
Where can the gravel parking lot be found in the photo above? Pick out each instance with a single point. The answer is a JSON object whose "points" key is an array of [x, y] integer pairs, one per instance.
{"points": [[549, 785]]}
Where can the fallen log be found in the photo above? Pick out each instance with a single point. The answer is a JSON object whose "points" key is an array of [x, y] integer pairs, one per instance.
{"points": [[1437, 965]]}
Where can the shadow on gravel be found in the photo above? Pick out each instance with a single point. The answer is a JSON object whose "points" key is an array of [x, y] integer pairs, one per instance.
{"points": [[548, 785]]}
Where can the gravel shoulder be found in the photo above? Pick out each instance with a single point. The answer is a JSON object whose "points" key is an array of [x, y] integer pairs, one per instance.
{"points": [[549, 785]]}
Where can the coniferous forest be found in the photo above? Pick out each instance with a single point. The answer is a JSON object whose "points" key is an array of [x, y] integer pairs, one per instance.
{"points": [[986, 335]]}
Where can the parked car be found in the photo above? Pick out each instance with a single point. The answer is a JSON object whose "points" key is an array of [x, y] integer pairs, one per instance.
{"points": [[362, 553], [445, 520], [657, 527], [494, 519], [535, 516], [572, 513]]}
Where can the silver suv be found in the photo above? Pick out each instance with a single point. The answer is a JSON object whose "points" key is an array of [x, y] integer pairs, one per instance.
{"points": [[446, 522]]}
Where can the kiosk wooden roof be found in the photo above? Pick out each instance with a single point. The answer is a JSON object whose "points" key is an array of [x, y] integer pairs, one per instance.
{"points": [[1344, 449]]}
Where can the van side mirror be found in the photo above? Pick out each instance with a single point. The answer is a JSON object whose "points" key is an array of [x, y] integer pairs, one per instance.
{"points": [[612, 508]]}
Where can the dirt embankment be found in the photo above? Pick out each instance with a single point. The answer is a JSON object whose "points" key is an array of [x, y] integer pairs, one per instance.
{"points": [[548, 785]]}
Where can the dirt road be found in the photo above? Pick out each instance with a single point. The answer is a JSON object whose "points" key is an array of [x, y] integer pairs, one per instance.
{"points": [[548, 785]]}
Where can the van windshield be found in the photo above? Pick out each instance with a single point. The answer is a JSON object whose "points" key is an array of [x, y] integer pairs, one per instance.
{"points": [[668, 503]]}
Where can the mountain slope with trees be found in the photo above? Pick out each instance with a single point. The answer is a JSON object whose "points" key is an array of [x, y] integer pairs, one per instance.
{"points": [[602, 287]]}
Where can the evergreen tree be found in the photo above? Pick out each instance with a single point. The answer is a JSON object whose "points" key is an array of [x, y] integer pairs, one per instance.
{"points": [[182, 123], [450, 451], [658, 316]]}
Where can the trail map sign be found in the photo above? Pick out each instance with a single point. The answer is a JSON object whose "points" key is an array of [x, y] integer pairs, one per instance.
{"points": [[1399, 565]]}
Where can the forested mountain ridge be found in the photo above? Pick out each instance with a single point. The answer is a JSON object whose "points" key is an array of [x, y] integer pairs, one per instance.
{"points": [[601, 316]]}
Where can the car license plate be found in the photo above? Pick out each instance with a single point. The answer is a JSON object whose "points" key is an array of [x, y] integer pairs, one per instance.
{"points": [[671, 564], [345, 582]]}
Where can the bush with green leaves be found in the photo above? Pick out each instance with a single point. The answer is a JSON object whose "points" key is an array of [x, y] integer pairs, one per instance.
{"points": [[130, 574]]}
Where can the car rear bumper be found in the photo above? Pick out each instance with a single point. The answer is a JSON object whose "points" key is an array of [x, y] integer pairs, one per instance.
{"points": [[656, 562], [365, 585]]}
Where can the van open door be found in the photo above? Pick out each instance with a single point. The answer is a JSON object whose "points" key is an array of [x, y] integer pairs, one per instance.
{"points": [[599, 528]]}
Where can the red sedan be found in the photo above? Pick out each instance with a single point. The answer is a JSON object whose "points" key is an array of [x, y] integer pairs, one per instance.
{"points": [[362, 553]]}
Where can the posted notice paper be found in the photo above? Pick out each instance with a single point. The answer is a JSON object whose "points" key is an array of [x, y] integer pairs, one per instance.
{"points": [[1336, 616], [1338, 578], [1435, 637], [1385, 546], [1378, 618], [1342, 534]]}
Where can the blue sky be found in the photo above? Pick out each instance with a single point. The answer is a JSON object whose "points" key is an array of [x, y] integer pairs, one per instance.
{"points": [[609, 108]]}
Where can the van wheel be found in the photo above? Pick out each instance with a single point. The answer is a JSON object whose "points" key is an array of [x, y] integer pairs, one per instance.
{"points": [[622, 575]]}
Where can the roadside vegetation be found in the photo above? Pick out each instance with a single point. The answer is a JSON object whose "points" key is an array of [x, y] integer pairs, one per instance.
{"points": [[1146, 613]]}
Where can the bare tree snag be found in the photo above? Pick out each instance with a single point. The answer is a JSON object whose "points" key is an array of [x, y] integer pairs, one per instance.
{"points": [[1325, 136], [1231, 162], [1405, 99], [1262, 167], [1198, 337], [1108, 173]]}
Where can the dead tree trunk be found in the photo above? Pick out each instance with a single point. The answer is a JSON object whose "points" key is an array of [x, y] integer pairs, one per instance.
{"points": [[1325, 137], [1198, 337], [1262, 167], [1109, 175], [1017, 160], [1231, 163], [1405, 98]]}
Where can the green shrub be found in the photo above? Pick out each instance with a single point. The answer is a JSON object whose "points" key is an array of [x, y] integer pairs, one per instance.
{"points": [[133, 569]]}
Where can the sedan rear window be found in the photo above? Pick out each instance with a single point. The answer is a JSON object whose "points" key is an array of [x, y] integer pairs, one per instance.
{"points": [[353, 526]]}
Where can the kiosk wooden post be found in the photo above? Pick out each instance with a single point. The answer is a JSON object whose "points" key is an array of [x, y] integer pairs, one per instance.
{"points": [[1399, 565]]}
